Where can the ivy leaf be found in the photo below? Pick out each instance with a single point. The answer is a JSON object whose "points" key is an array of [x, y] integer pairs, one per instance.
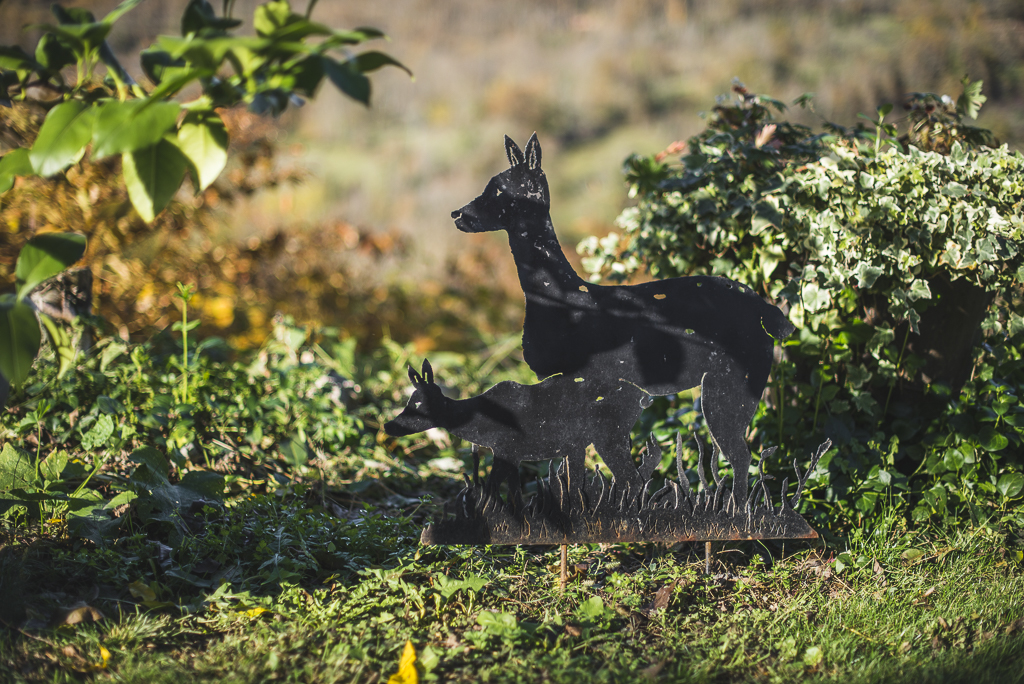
{"points": [[122, 127], [971, 99], [919, 290], [814, 298], [20, 338], [45, 256], [203, 139], [14, 163], [867, 274], [152, 176], [62, 138]]}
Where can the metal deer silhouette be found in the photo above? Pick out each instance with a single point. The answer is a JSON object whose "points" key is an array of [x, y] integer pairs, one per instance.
{"points": [[553, 419], [665, 336]]}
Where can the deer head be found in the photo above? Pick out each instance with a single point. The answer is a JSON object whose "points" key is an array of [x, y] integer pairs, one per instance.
{"points": [[427, 407], [521, 191]]}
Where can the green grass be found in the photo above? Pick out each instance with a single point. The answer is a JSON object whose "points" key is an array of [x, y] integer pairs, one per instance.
{"points": [[941, 605]]}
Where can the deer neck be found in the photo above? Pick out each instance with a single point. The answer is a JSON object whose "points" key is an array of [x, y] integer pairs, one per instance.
{"points": [[543, 269]]}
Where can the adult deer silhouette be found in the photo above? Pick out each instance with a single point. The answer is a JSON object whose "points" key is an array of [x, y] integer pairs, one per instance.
{"points": [[553, 419], [665, 336]]}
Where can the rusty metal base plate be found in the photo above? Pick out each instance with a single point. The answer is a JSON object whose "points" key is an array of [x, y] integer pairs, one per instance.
{"points": [[602, 512]]}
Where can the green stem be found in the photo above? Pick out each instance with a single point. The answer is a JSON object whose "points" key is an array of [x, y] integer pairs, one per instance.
{"points": [[892, 386], [184, 352]]}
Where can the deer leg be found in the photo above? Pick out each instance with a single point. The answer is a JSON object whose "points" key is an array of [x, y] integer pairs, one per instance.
{"points": [[728, 410]]}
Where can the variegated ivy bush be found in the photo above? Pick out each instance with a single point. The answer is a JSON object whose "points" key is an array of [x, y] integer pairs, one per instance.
{"points": [[895, 262]]}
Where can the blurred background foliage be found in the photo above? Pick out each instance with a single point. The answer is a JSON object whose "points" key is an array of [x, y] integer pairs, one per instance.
{"points": [[337, 215]]}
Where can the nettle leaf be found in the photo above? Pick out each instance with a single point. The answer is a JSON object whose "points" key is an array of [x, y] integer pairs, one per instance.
{"points": [[62, 138], [203, 139], [121, 127], [14, 163], [153, 175], [45, 256], [20, 338]]}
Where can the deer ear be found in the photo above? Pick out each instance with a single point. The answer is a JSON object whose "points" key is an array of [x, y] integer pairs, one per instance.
{"points": [[416, 380], [428, 372], [533, 153], [515, 155]]}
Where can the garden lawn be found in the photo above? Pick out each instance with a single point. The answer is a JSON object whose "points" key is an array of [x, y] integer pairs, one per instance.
{"points": [[246, 599]]}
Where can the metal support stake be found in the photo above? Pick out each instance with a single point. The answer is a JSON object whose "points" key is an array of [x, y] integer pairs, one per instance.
{"points": [[707, 558], [564, 575]]}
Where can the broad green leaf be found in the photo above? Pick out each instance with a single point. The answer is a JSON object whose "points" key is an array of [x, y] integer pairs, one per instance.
{"points": [[348, 79], [992, 440], [61, 341], [294, 452], [199, 16], [53, 465], [79, 37], [373, 60], [1010, 484], [152, 176], [122, 127], [16, 469], [52, 54], [591, 609], [99, 434], [14, 163], [120, 10], [153, 467], [953, 459], [13, 58], [62, 138], [499, 624], [20, 338], [271, 16], [203, 139], [45, 256], [204, 482]]}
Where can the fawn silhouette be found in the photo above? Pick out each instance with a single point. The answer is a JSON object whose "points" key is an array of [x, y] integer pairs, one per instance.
{"points": [[556, 418], [665, 336]]}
